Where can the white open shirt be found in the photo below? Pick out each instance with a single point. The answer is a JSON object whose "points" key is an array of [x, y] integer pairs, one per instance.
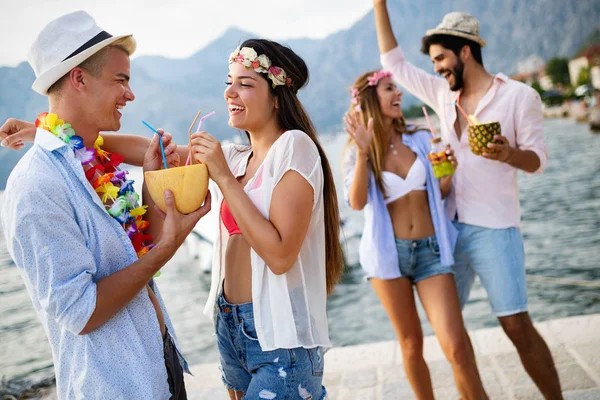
{"points": [[289, 309]]}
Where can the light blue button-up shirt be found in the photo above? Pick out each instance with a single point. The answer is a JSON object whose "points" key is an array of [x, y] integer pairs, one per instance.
{"points": [[63, 242], [377, 252]]}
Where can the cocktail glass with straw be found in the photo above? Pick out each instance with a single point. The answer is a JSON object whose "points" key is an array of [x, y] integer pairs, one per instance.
{"points": [[437, 155]]}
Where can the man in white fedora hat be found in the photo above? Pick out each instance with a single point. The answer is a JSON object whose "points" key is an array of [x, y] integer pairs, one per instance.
{"points": [[484, 200], [77, 233]]}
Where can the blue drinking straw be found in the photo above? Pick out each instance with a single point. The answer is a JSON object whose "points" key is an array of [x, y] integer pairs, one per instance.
{"points": [[162, 149]]}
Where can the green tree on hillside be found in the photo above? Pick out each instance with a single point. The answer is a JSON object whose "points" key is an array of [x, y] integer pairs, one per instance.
{"points": [[538, 88], [558, 71], [584, 77]]}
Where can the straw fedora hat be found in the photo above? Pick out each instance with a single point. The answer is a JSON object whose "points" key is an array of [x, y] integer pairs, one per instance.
{"points": [[459, 24], [65, 43]]}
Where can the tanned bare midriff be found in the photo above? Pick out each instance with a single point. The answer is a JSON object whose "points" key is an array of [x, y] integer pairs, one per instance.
{"points": [[411, 218], [238, 271], [238, 267]]}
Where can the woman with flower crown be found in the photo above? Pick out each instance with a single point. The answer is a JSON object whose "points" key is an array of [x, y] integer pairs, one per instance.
{"points": [[407, 238], [277, 254]]}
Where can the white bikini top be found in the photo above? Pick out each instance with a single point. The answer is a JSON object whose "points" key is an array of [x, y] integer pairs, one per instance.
{"points": [[397, 187]]}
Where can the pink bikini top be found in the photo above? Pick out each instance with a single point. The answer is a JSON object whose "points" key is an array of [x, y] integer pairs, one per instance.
{"points": [[228, 220], [253, 188]]}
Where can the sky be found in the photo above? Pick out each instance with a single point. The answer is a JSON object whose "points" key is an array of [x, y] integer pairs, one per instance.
{"points": [[182, 27]]}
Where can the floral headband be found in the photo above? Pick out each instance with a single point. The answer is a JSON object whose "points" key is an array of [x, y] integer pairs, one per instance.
{"points": [[261, 64], [372, 80], [377, 76]]}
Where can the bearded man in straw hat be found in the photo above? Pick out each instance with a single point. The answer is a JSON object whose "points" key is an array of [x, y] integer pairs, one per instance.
{"points": [[484, 201], [110, 334]]}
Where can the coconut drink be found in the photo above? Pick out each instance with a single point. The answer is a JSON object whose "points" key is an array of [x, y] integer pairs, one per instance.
{"points": [[189, 185], [440, 163]]}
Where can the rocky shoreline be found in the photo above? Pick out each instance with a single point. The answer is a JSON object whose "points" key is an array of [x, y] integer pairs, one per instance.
{"points": [[18, 388]]}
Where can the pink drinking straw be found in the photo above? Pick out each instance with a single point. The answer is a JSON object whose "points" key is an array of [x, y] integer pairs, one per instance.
{"points": [[429, 122], [463, 113], [197, 130]]}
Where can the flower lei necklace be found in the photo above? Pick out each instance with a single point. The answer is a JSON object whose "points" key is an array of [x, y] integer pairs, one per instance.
{"points": [[110, 182]]}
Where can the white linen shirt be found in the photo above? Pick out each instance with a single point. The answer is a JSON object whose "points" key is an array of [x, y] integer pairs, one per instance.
{"points": [[485, 192], [289, 309], [63, 242]]}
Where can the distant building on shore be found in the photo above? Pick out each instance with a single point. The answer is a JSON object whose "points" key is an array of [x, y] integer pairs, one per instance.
{"points": [[536, 75], [530, 64], [587, 58]]}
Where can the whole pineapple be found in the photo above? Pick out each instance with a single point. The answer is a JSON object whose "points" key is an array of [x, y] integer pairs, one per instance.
{"points": [[481, 134]]}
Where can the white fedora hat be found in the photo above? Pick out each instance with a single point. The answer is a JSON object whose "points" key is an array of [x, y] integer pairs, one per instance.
{"points": [[459, 24], [65, 43]]}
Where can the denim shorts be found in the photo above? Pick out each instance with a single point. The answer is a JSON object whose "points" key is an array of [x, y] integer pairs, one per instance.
{"points": [[420, 259], [295, 374], [498, 258]]}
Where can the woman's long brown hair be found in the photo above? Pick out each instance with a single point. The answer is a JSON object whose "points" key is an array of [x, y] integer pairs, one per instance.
{"points": [[292, 115], [371, 108]]}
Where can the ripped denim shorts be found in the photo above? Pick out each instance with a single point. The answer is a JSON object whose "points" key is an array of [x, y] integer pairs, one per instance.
{"points": [[294, 374]]}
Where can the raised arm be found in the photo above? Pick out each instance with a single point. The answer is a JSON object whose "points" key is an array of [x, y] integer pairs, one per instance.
{"points": [[356, 169], [425, 86], [385, 34]]}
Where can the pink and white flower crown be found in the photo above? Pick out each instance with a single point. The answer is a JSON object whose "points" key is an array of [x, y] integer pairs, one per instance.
{"points": [[377, 76], [372, 80], [261, 64]]}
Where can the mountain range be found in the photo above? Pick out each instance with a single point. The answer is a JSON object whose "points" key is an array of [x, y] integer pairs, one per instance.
{"points": [[170, 91]]}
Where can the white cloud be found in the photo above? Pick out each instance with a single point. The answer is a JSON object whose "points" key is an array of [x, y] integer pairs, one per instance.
{"points": [[181, 27]]}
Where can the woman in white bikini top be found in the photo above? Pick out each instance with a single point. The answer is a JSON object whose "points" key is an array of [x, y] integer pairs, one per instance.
{"points": [[407, 239], [396, 187]]}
